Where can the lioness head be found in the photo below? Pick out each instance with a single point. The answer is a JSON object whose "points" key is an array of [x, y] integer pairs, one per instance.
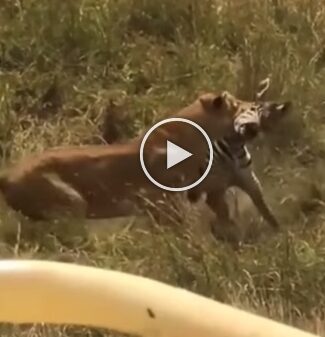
{"points": [[220, 104], [246, 118], [224, 106]]}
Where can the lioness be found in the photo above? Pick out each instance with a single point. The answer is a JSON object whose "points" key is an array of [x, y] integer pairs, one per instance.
{"points": [[103, 181]]}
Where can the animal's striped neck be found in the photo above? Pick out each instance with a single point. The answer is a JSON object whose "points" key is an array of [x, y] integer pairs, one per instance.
{"points": [[232, 149]]}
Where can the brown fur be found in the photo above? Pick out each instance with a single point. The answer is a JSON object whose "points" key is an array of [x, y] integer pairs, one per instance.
{"points": [[103, 181]]}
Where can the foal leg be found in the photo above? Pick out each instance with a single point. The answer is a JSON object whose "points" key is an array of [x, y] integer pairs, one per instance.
{"points": [[251, 185]]}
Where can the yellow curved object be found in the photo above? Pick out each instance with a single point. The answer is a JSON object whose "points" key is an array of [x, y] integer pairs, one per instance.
{"points": [[34, 291]]}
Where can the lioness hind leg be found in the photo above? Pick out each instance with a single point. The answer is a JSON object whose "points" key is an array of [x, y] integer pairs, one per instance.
{"points": [[46, 197], [52, 205], [67, 201]]}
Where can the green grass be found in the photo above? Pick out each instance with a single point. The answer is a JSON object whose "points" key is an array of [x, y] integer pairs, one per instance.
{"points": [[76, 72]]}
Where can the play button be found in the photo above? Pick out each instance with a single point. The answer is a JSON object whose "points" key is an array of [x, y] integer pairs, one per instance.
{"points": [[176, 154], [173, 154]]}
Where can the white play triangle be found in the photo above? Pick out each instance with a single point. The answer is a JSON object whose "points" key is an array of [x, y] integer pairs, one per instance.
{"points": [[175, 154]]}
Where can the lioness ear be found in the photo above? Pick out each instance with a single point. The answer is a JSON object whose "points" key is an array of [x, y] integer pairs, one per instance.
{"points": [[218, 102], [262, 88], [211, 102]]}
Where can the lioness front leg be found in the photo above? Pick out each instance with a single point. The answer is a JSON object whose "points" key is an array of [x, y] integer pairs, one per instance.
{"points": [[194, 195], [217, 203]]}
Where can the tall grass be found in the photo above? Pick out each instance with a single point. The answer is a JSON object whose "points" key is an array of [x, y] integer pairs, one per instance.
{"points": [[70, 69]]}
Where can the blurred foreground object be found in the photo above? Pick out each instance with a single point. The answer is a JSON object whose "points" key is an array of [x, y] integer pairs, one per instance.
{"points": [[35, 291]]}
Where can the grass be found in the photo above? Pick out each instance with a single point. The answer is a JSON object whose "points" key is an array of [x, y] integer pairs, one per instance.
{"points": [[77, 72]]}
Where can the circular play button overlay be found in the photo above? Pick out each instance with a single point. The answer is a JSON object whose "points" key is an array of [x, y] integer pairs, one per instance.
{"points": [[176, 154]]}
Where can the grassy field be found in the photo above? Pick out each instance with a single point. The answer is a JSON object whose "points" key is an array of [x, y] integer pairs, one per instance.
{"points": [[95, 71]]}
